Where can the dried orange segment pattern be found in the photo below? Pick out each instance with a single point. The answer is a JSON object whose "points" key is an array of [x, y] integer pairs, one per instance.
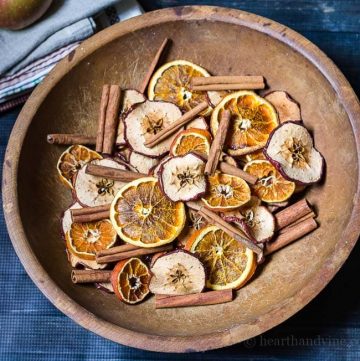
{"points": [[85, 239], [226, 192], [72, 160], [191, 140], [143, 216], [171, 83], [130, 280], [271, 185], [258, 155], [229, 263], [252, 120]]}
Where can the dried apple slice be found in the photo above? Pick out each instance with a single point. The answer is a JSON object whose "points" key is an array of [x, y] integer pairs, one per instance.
{"points": [[95, 191], [142, 164], [198, 123], [182, 178], [124, 154], [286, 107], [258, 218], [146, 120], [66, 219], [130, 98], [177, 273], [291, 150], [76, 262], [155, 170]]}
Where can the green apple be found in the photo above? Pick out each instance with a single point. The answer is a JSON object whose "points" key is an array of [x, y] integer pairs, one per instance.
{"points": [[17, 14]]}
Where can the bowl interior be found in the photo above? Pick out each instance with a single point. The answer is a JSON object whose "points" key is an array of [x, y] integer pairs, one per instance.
{"points": [[222, 48]]}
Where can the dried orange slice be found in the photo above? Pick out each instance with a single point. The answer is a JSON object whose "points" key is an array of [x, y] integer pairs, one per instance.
{"points": [[226, 192], [171, 83], [130, 280], [72, 160], [271, 185], [85, 239], [255, 156], [252, 120], [143, 216], [191, 140], [228, 262]]}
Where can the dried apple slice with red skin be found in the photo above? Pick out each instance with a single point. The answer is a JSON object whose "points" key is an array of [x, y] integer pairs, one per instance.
{"points": [[146, 120], [290, 148], [66, 219], [259, 220], [154, 171], [130, 97], [91, 190], [142, 164], [177, 273], [286, 107], [198, 123], [182, 178]]}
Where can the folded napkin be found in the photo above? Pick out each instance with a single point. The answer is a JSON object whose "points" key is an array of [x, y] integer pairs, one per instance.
{"points": [[29, 70], [17, 45]]}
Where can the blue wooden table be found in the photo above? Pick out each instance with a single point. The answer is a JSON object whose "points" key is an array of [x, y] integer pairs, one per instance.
{"points": [[327, 329]]}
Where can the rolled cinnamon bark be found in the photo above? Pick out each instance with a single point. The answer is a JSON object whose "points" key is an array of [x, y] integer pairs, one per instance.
{"points": [[291, 235], [113, 173], [292, 213], [90, 276], [112, 119], [218, 143], [70, 139], [195, 299]]}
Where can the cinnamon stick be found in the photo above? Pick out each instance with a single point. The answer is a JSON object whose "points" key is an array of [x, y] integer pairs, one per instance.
{"points": [[291, 235], [292, 213], [111, 119], [90, 210], [195, 299], [113, 173], [118, 249], [91, 217], [237, 172], [152, 66], [102, 116], [235, 233], [218, 143], [307, 216], [90, 276], [226, 79], [132, 253], [229, 86], [172, 128], [70, 139]]}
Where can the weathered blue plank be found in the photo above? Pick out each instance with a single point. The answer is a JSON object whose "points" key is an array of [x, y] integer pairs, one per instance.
{"points": [[302, 15]]}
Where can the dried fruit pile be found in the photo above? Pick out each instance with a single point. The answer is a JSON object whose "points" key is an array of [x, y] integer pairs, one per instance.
{"points": [[187, 189]]}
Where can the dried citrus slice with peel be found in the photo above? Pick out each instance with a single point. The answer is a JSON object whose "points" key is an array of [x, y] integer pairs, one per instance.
{"points": [[72, 160], [143, 216], [255, 156], [252, 120], [271, 185], [191, 140], [228, 262], [130, 280], [226, 192], [85, 239], [171, 83]]}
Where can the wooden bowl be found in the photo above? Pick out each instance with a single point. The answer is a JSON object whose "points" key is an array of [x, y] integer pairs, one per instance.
{"points": [[224, 41]]}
